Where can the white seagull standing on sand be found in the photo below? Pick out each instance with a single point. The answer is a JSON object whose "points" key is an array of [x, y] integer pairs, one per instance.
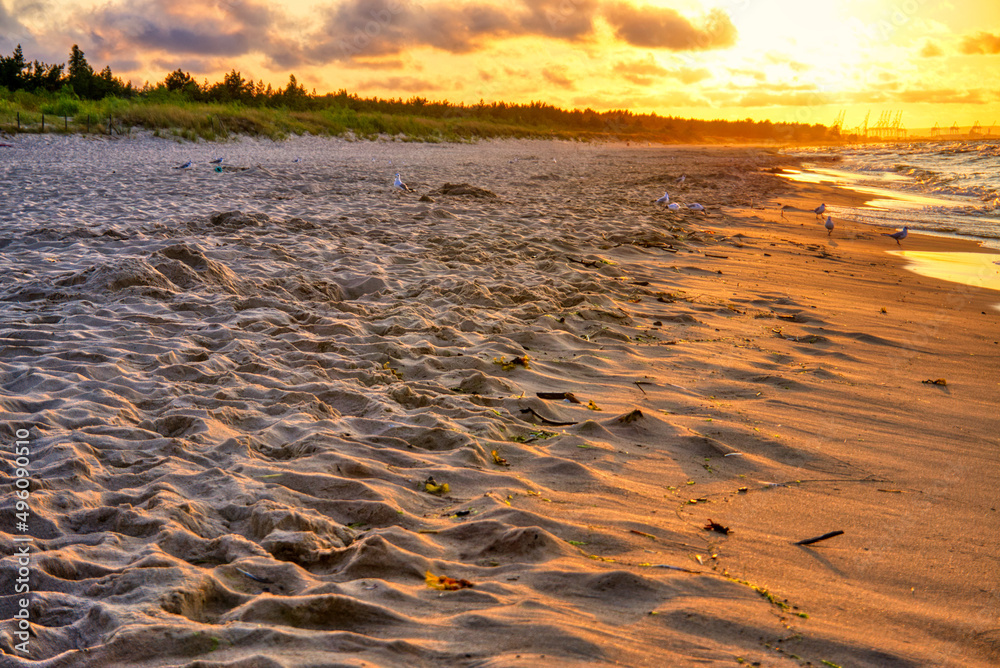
{"points": [[664, 200], [682, 178], [184, 166], [820, 209], [217, 161], [673, 206], [696, 207], [829, 225], [398, 183], [897, 235]]}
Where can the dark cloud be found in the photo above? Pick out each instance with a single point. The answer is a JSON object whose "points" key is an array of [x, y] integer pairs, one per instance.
{"points": [[365, 28], [180, 27], [981, 43], [13, 32], [375, 28], [369, 28], [560, 19], [663, 28], [374, 34]]}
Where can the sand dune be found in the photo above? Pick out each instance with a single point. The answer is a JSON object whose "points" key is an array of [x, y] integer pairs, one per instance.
{"points": [[246, 391]]}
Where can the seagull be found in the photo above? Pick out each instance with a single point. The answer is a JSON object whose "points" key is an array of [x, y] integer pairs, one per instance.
{"points": [[820, 209], [402, 186], [901, 234], [664, 200], [217, 161], [829, 226], [184, 166], [696, 207], [682, 178], [673, 206]]}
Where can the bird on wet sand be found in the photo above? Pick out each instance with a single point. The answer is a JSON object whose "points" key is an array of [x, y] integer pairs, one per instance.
{"points": [[664, 200], [898, 236], [820, 209], [828, 225]]}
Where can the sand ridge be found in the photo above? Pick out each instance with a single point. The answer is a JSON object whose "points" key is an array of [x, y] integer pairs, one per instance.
{"points": [[243, 416]]}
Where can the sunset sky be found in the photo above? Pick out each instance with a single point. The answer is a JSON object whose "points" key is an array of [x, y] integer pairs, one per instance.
{"points": [[786, 60]]}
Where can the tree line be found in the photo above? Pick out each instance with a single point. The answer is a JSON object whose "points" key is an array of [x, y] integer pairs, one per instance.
{"points": [[78, 79]]}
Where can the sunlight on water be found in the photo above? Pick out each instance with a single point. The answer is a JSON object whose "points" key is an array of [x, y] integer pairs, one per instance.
{"points": [[937, 187]]}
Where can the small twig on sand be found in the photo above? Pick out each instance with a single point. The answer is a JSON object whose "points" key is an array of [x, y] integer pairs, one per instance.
{"points": [[545, 420], [810, 541]]}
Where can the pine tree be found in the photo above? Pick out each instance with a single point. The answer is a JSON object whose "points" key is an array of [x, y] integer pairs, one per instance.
{"points": [[12, 75], [80, 75]]}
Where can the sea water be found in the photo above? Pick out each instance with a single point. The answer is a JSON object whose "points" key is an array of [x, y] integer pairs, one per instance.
{"points": [[942, 187]]}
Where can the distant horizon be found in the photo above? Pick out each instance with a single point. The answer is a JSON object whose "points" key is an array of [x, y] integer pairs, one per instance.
{"points": [[767, 60]]}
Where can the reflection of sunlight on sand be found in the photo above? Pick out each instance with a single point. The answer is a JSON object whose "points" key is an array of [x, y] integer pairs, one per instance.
{"points": [[977, 269]]}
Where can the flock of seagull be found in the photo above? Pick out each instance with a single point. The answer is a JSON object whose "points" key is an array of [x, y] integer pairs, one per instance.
{"points": [[674, 206], [695, 206], [898, 235]]}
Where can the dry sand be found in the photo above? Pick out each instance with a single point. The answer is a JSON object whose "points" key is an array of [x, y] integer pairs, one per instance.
{"points": [[233, 418]]}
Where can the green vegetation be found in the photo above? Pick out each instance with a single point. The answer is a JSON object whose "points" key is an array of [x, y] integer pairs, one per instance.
{"points": [[76, 99]]}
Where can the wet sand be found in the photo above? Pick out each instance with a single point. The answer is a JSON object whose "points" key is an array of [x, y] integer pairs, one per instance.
{"points": [[246, 391]]}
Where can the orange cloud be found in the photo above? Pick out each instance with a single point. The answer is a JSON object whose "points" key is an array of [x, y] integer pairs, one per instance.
{"points": [[943, 96], [647, 72], [405, 84], [983, 42], [558, 77], [931, 50]]}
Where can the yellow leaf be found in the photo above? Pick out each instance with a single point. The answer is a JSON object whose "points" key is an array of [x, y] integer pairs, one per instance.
{"points": [[432, 487], [445, 583], [592, 406]]}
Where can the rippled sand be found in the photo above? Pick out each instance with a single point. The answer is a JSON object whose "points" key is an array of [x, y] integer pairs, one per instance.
{"points": [[246, 390]]}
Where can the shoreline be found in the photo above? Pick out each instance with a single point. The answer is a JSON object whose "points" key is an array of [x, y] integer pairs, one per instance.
{"points": [[264, 406], [803, 197]]}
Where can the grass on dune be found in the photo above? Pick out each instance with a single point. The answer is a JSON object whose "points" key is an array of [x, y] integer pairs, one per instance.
{"points": [[192, 121], [170, 114]]}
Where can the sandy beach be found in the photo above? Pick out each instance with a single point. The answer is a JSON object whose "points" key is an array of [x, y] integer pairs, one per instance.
{"points": [[284, 414]]}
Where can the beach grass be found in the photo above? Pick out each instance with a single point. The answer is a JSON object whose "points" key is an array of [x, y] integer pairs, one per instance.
{"points": [[166, 113], [186, 120]]}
